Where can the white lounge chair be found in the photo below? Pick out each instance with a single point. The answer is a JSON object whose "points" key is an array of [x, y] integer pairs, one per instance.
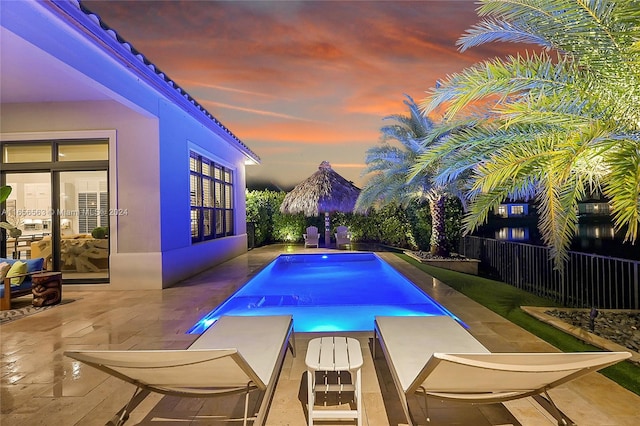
{"points": [[311, 238], [343, 236], [238, 354], [436, 357]]}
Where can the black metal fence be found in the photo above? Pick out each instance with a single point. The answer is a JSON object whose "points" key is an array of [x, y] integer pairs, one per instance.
{"points": [[588, 280]]}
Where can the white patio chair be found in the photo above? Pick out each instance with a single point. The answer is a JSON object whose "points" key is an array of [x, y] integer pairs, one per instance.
{"points": [[343, 236], [311, 238]]}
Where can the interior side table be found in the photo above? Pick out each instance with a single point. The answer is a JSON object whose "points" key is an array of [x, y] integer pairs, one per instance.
{"points": [[339, 354]]}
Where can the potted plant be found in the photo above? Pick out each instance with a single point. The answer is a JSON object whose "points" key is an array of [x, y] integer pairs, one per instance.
{"points": [[14, 231], [99, 233]]}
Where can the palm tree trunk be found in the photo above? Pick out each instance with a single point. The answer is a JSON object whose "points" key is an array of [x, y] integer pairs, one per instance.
{"points": [[438, 232]]}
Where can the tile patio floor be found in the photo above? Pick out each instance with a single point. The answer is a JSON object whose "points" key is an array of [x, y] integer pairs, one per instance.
{"points": [[41, 387]]}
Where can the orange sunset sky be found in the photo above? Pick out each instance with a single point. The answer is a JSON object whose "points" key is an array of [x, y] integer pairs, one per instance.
{"points": [[302, 82]]}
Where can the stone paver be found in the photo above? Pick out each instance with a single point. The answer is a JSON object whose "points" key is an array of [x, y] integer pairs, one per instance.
{"points": [[41, 386]]}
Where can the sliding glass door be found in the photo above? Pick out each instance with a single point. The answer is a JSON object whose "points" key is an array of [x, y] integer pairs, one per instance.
{"points": [[59, 205], [84, 224]]}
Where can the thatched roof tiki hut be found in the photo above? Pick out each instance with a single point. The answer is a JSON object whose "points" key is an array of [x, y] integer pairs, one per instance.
{"points": [[325, 191]]}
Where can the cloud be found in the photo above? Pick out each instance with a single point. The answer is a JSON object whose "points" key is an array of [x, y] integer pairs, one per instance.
{"points": [[302, 81], [198, 84], [308, 133], [254, 111], [348, 165]]}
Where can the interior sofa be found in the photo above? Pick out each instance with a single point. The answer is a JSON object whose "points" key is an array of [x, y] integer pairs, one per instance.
{"points": [[8, 292]]}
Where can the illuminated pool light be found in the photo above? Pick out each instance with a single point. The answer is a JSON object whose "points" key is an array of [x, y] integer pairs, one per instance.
{"points": [[327, 293]]}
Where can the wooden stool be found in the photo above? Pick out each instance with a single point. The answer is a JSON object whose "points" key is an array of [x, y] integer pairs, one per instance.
{"points": [[339, 354], [46, 288]]}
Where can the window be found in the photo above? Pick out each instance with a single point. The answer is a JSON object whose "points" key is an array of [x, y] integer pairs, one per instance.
{"points": [[92, 213], [597, 208], [519, 234], [517, 210], [211, 187], [27, 152], [79, 151], [88, 206]]}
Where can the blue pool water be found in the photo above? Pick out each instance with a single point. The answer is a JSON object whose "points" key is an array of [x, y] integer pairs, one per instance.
{"points": [[327, 292]]}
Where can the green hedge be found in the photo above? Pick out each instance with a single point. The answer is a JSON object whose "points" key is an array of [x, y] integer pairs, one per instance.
{"points": [[406, 227]]}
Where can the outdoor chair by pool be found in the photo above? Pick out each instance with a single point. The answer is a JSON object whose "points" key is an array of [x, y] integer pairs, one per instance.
{"points": [[343, 236], [436, 357], [311, 238], [238, 354]]}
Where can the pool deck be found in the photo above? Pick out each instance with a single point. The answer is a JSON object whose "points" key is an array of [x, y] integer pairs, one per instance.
{"points": [[41, 386]]}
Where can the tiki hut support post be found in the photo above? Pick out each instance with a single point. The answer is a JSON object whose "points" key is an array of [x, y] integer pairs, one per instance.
{"points": [[327, 229], [325, 191]]}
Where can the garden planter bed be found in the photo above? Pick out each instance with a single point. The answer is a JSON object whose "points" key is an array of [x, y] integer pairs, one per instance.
{"points": [[456, 263], [614, 330]]}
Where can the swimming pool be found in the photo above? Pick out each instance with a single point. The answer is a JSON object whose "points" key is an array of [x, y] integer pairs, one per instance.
{"points": [[326, 293]]}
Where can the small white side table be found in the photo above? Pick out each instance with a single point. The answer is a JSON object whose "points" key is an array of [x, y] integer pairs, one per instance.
{"points": [[334, 354]]}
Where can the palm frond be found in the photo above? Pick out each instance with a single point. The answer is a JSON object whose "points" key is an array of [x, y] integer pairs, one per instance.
{"points": [[549, 126], [597, 33], [479, 208], [558, 219], [497, 81], [491, 30], [622, 185]]}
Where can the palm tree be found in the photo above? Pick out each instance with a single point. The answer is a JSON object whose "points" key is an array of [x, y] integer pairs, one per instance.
{"points": [[389, 166], [553, 126]]}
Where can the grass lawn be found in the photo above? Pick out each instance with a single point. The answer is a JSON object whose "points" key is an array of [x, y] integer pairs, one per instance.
{"points": [[506, 300]]}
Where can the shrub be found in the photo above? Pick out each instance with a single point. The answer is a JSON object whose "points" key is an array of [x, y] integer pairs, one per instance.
{"points": [[407, 227], [100, 232]]}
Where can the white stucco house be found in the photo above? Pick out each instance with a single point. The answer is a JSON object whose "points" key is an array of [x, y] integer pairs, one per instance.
{"points": [[93, 135]]}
